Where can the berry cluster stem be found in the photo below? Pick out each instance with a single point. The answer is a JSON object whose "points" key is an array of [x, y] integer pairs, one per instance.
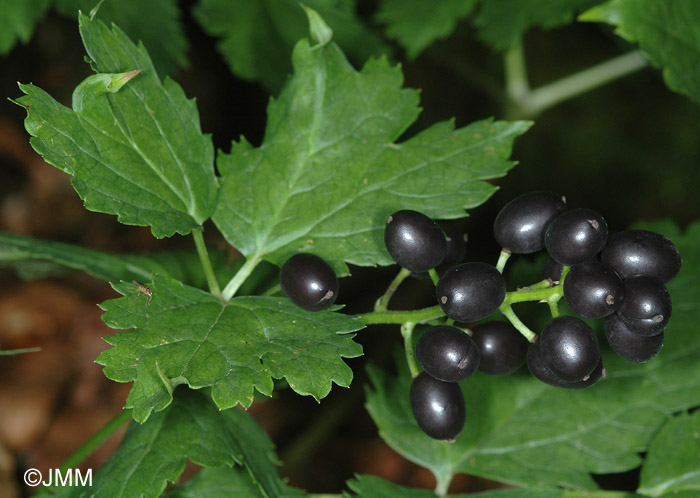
{"points": [[383, 302], [544, 291], [407, 333]]}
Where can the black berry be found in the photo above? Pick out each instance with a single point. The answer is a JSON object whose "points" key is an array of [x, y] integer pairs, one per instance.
{"points": [[309, 282], [437, 406], [631, 346], [471, 291], [502, 347], [593, 290], [447, 353], [414, 240], [640, 252], [539, 369], [576, 236], [521, 224], [646, 309], [569, 348]]}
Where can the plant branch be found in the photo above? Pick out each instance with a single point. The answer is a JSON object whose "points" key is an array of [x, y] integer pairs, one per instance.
{"points": [[526, 103], [401, 317], [517, 323], [383, 302], [407, 333], [241, 275], [551, 94], [515, 70], [198, 236]]}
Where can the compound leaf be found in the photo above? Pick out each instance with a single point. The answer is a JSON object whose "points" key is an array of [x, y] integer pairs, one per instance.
{"points": [[502, 24], [416, 24], [186, 335], [153, 454], [668, 34], [133, 145], [257, 36], [167, 45], [329, 172], [673, 460], [522, 432], [17, 21]]}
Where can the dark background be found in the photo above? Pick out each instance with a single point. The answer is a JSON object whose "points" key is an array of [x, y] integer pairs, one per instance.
{"points": [[628, 150]]}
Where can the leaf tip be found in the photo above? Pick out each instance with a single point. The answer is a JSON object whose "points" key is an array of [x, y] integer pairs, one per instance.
{"points": [[320, 32]]}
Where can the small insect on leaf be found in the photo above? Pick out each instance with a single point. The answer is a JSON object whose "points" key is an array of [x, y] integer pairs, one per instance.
{"points": [[146, 291]]}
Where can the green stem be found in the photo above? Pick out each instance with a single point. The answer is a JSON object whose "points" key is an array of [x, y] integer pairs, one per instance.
{"points": [[526, 103], [91, 444], [551, 94], [12, 352], [515, 71], [434, 276], [502, 259], [407, 333], [241, 275], [517, 323], [400, 317], [198, 236], [383, 302], [272, 290], [443, 483]]}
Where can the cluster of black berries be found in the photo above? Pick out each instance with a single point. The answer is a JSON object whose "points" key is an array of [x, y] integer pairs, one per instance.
{"points": [[621, 280], [467, 292]]}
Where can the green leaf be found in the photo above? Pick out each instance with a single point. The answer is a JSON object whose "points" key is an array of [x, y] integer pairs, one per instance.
{"points": [[185, 335], [257, 36], [17, 21], [153, 454], [225, 483], [329, 173], [134, 147], [522, 432], [369, 486], [673, 460], [415, 24], [668, 34], [166, 45], [502, 24]]}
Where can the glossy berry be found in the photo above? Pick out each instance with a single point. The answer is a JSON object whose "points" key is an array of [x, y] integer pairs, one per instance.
{"points": [[521, 224], [631, 346], [576, 236], [646, 309], [414, 240], [593, 290], [309, 282], [437, 406], [447, 353], [502, 347], [539, 369], [640, 252], [471, 291], [456, 249], [569, 348]]}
